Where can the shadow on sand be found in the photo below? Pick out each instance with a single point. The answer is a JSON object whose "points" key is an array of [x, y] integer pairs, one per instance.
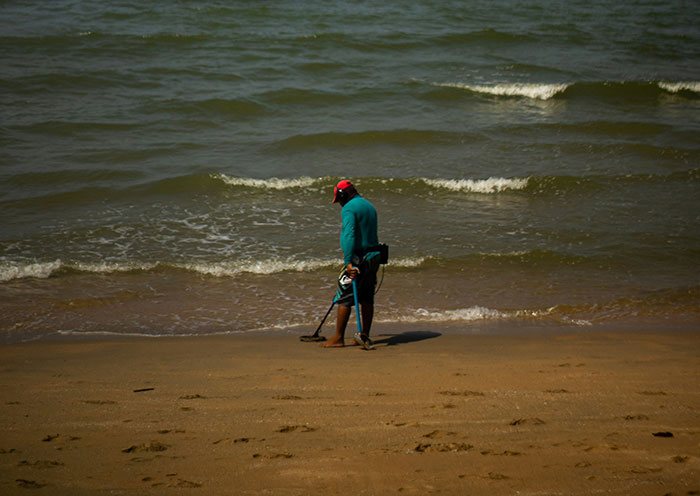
{"points": [[404, 337]]}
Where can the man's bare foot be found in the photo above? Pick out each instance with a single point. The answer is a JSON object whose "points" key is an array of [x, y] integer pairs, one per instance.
{"points": [[333, 343]]}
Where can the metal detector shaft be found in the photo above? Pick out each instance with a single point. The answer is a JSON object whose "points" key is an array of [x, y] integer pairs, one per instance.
{"points": [[357, 307], [318, 330]]}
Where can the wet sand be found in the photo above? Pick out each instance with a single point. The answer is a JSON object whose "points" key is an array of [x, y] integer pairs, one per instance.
{"points": [[425, 412]]}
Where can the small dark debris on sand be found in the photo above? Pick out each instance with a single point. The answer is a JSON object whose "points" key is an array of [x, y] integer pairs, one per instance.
{"points": [[662, 434]]}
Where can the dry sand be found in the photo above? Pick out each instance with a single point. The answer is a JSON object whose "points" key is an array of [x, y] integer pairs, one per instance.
{"points": [[426, 412]]}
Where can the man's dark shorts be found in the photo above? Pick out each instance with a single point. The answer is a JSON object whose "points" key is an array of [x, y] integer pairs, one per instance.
{"points": [[366, 282]]}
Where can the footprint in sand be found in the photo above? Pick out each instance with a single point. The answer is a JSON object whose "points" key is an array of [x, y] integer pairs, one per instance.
{"points": [[530, 421], [645, 470], [65, 442], [292, 428], [636, 417], [29, 484], [240, 440], [40, 464], [496, 476], [439, 434], [440, 447], [501, 453], [99, 402], [152, 446], [273, 456], [182, 483], [461, 393], [396, 424]]}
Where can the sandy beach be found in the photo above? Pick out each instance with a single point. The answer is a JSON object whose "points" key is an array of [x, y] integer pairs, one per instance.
{"points": [[425, 412]]}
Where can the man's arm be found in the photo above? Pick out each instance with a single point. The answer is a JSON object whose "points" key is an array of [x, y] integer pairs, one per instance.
{"points": [[347, 240]]}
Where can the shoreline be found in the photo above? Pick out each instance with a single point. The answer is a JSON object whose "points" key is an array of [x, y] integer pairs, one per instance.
{"points": [[179, 302], [486, 327], [429, 410]]}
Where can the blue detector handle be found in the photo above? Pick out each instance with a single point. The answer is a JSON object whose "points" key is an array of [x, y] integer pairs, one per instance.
{"points": [[357, 307]]}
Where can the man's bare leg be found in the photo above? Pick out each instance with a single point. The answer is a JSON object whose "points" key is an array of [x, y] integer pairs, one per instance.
{"points": [[338, 340]]}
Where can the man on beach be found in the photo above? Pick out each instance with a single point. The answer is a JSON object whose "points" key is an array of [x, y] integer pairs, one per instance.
{"points": [[358, 237]]}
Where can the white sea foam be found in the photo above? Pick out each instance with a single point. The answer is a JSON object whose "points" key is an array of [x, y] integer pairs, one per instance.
{"points": [[478, 313], [407, 262], [110, 267], [680, 86], [43, 270], [535, 91], [272, 183], [490, 185], [462, 314], [263, 267], [279, 265], [39, 270]]}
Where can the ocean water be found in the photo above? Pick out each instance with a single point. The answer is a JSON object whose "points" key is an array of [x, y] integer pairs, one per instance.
{"points": [[166, 168]]}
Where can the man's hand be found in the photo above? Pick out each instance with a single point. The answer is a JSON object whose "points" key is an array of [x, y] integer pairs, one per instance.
{"points": [[352, 271]]}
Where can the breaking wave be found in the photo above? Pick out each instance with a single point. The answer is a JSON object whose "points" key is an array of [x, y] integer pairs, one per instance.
{"points": [[690, 86], [42, 270], [478, 313], [272, 183], [623, 90], [206, 184], [536, 91], [490, 185], [681, 302]]}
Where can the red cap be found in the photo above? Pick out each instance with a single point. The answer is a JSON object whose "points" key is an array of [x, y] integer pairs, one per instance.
{"points": [[342, 185]]}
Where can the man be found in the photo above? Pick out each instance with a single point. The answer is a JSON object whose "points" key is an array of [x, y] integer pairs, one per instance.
{"points": [[357, 239]]}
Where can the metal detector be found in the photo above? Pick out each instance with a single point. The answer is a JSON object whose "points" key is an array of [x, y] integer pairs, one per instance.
{"points": [[316, 336]]}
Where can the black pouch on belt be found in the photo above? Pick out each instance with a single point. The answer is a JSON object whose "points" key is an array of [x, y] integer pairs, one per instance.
{"points": [[383, 252]]}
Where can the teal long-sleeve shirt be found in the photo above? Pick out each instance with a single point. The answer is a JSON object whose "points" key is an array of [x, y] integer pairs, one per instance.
{"points": [[359, 230]]}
